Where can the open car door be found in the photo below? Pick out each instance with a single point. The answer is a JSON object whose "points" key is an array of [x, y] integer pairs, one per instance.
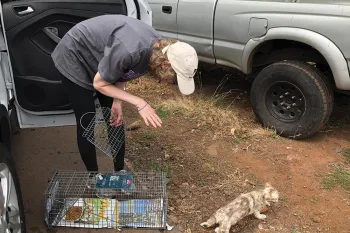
{"points": [[33, 28]]}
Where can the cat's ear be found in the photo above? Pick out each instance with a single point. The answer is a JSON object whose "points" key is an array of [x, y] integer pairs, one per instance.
{"points": [[267, 189]]}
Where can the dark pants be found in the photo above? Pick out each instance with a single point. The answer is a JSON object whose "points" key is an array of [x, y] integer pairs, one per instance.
{"points": [[82, 101]]}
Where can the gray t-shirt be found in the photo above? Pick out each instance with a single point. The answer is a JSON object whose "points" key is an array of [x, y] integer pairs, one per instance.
{"points": [[117, 46]]}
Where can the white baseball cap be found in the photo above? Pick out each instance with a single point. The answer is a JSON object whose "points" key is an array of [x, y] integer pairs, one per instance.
{"points": [[183, 59]]}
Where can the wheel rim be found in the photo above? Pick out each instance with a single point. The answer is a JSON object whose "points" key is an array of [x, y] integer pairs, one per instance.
{"points": [[10, 221], [285, 101]]}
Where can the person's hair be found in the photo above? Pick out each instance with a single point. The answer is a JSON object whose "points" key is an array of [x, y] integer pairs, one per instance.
{"points": [[158, 58]]}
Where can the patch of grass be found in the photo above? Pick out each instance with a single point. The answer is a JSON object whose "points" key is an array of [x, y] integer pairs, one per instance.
{"points": [[178, 112], [241, 138], [238, 140], [221, 101], [163, 113], [204, 108], [295, 230], [274, 134], [201, 182], [346, 153], [139, 140], [340, 177], [284, 198], [314, 201], [161, 168], [342, 124], [149, 135]]}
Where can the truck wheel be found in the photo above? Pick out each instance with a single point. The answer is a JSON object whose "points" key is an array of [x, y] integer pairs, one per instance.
{"points": [[293, 98]]}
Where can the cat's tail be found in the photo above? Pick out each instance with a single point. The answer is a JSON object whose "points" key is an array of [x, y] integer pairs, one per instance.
{"points": [[209, 223]]}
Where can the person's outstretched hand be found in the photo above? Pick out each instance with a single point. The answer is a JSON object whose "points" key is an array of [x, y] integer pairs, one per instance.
{"points": [[150, 116], [116, 113]]}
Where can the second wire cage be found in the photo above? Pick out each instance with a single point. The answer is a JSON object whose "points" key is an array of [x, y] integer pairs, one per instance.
{"points": [[109, 139], [107, 200]]}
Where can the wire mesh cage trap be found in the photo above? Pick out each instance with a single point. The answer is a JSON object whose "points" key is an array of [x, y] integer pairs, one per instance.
{"points": [[100, 133], [107, 200]]}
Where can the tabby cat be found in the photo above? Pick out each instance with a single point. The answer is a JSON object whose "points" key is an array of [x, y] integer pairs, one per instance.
{"points": [[244, 205]]}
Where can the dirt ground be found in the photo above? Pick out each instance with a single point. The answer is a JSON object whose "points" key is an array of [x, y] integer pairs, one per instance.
{"points": [[212, 149]]}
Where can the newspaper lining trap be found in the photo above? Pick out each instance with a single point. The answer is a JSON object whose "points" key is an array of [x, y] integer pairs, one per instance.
{"points": [[101, 134], [107, 200]]}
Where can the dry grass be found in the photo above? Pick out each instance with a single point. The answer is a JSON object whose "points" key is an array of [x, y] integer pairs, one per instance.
{"points": [[206, 113], [149, 89], [209, 109], [262, 132], [238, 178]]}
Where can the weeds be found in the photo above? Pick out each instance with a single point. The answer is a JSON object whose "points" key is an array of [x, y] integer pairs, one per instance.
{"points": [[340, 177], [163, 113], [274, 134], [215, 111], [238, 140], [342, 124], [221, 102], [160, 168], [178, 112], [346, 153], [241, 138], [149, 135], [203, 110], [139, 140], [221, 99], [205, 126], [284, 198]]}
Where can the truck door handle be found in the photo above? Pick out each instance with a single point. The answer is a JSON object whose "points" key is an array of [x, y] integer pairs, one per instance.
{"points": [[23, 10], [167, 9]]}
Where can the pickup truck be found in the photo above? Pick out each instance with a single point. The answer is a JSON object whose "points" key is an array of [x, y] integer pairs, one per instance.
{"points": [[297, 50]]}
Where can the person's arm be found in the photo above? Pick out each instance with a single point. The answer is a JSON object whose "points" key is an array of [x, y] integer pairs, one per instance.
{"points": [[113, 91], [146, 111], [121, 85], [116, 118]]}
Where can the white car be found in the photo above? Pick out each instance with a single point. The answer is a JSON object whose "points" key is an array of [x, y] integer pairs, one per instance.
{"points": [[31, 94]]}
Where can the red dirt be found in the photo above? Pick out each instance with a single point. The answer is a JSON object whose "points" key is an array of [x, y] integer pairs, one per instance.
{"points": [[207, 171]]}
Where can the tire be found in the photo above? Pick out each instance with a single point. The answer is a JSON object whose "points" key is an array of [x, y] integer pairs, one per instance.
{"points": [[14, 207], [293, 98]]}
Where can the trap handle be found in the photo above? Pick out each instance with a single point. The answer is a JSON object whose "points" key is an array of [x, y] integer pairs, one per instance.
{"points": [[81, 124]]}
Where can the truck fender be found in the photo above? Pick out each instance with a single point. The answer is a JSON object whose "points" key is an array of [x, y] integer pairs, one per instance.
{"points": [[5, 127], [327, 48]]}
